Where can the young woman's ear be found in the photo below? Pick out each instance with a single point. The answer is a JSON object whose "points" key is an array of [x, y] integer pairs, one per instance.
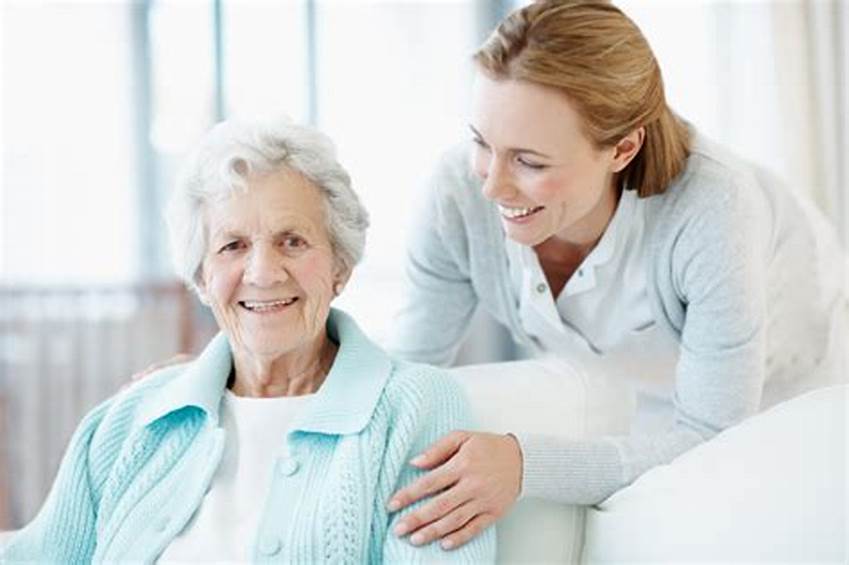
{"points": [[627, 148]]}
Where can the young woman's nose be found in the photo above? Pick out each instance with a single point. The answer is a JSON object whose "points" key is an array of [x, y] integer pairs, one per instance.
{"points": [[265, 268], [496, 179]]}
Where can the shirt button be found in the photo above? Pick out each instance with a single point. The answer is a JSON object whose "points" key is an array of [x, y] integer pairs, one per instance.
{"points": [[270, 545], [288, 467], [541, 288], [580, 272]]}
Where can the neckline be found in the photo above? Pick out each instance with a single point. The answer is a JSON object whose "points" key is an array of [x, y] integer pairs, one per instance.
{"points": [[234, 398]]}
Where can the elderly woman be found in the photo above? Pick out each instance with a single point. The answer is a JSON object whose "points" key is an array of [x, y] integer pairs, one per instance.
{"points": [[286, 436]]}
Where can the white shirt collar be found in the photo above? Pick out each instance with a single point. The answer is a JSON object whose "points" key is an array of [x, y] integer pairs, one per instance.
{"points": [[584, 278]]}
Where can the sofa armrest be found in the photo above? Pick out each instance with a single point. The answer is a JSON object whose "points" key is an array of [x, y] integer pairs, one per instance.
{"points": [[548, 397], [773, 488]]}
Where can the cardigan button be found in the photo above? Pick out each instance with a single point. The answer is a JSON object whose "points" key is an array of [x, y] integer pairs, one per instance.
{"points": [[288, 467], [270, 545]]}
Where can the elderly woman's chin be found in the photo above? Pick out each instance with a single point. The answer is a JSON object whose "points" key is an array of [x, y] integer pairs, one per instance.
{"points": [[270, 335]]}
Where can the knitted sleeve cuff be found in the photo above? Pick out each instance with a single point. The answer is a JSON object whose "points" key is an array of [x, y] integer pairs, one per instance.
{"points": [[569, 471]]}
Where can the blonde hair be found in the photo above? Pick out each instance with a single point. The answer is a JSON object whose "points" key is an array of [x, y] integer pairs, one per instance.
{"points": [[596, 56]]}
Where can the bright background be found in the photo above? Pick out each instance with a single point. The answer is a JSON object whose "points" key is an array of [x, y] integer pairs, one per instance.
{"points": [[101, 99]]}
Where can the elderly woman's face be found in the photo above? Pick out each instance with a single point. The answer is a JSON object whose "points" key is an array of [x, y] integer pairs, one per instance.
{"points": [[268, 273]]}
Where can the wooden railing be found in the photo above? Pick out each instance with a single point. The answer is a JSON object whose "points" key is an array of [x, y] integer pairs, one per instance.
{"points": [[63, 350], [5, 518]]}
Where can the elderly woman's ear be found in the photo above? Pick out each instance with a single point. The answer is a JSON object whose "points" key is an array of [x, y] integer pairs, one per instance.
{"points": [[340, 279], [200, 290]]}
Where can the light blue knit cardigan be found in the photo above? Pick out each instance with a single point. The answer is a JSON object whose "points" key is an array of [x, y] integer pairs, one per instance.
{"points": [[139, 464]]}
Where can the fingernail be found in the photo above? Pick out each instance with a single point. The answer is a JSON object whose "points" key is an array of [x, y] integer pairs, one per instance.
{"points": [[394, 505], [417, 460], [416, 539], [447, 544], [401, 528]]}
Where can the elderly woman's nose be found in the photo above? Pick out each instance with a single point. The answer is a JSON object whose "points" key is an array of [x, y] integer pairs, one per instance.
{"points": [[265, 267]]}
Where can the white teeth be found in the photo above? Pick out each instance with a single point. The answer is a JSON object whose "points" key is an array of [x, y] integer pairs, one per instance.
{"points": [[517, 212], [265, 306]]}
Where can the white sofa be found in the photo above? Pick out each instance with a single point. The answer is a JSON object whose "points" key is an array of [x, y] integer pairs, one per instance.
{"points": [[773, 489]]}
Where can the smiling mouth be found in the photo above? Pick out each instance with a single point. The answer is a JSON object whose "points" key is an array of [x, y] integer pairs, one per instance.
{"points": [[267, 306], [518, 213]]}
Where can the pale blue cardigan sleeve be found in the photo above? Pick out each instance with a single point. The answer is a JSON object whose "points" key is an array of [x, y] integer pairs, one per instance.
{"points": [[429, 405], [64, 529]]}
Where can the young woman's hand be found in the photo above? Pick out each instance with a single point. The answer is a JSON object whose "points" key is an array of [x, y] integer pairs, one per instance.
{"points": [[175, 360], [474, 479]]}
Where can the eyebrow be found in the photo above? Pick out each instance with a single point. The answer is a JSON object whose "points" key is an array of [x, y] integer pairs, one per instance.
{"points": [[227, 234], [512, 149]]}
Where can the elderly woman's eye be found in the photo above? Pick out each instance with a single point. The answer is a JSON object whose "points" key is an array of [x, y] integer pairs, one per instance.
{"points": [[231, 246], [294, 242]]}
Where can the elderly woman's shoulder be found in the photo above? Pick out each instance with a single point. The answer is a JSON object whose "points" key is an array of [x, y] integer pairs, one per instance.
{"points": [[425, 386], [120, 412], [144, 387]]}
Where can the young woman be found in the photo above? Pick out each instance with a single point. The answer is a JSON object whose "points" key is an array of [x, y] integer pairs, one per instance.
{"points": [[597, 225]]}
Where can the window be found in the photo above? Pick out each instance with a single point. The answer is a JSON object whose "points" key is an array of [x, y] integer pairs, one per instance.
{"points": [[70, 172], [125, 89]]}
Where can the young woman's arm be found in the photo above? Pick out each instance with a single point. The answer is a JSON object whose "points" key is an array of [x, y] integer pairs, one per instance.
{"points": [[439, 299]]}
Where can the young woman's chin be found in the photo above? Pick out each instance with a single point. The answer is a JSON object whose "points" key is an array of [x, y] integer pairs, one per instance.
{"points": [[526, 232]]}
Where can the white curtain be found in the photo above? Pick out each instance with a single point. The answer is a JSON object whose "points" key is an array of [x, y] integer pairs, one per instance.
{"points": [[827, 26], [782, 69], [767, 78]]}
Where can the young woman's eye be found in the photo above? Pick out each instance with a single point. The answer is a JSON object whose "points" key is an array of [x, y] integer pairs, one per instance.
{"points": [[479, 142], [530, 164]]}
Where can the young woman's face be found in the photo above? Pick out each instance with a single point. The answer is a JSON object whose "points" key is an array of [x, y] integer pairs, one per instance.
{"points": [[545, 175]]}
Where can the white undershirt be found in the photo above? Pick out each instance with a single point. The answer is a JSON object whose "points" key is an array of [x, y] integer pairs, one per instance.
{"points": [[224, 527], [602, 317]]}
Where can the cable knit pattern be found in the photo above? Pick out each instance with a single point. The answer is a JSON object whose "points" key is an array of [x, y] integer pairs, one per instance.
{"points": [[138, 466]]}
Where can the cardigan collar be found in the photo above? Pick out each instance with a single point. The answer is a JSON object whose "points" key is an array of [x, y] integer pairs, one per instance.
{"points": [[344, 404]]}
